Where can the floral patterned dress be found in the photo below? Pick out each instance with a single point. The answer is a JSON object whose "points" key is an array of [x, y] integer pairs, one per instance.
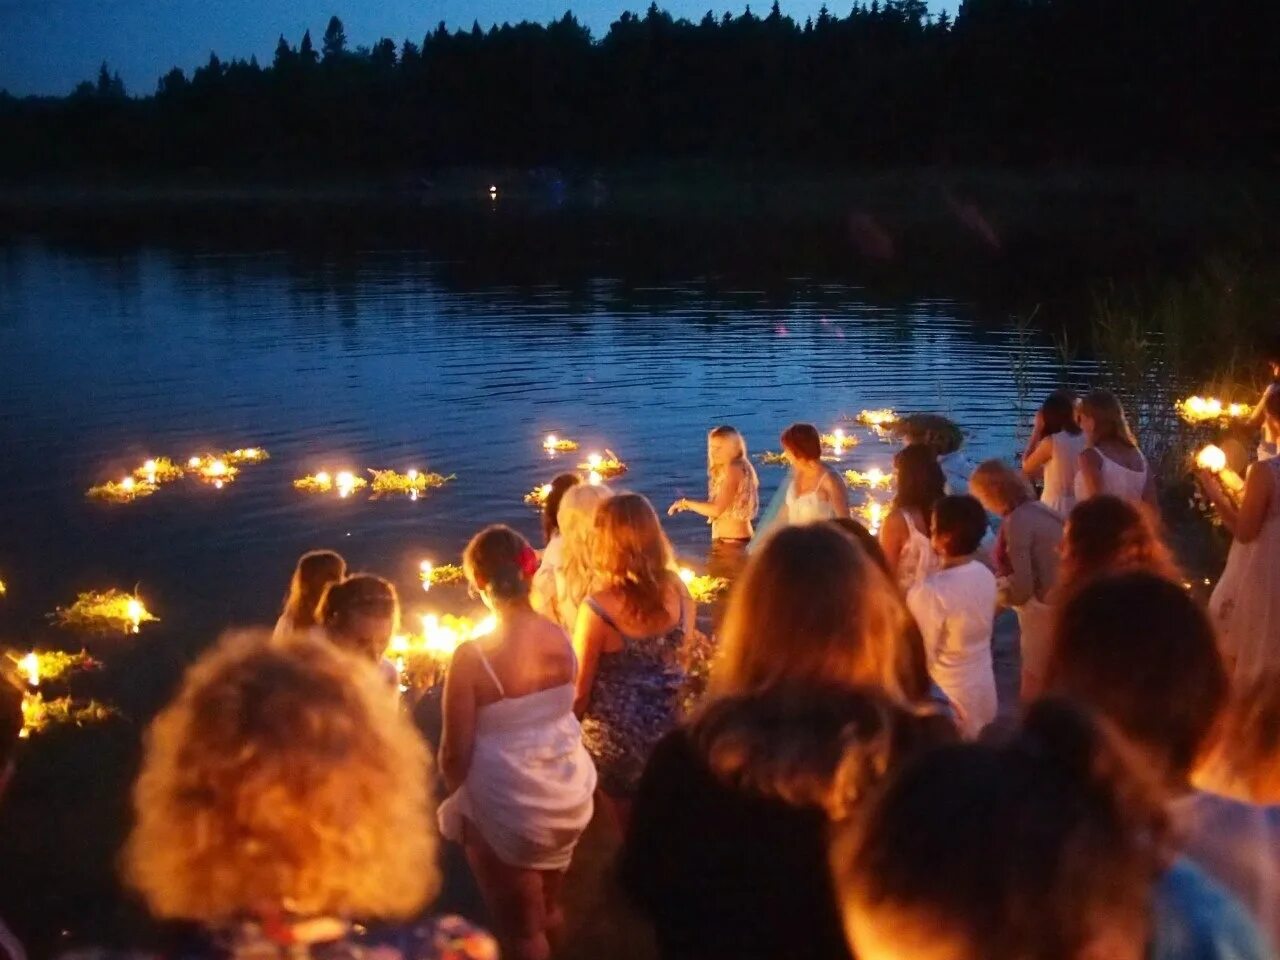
{"points": [[635, 701]]}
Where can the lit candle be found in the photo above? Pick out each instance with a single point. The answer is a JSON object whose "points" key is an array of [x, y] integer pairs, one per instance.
{"points": [[594, 461], [135, 611], [1212, 458], [550, 443], [412, 474], [426, 566], [127, 484], [29, 666], [594, 478], [686, 575], [323, 478]]}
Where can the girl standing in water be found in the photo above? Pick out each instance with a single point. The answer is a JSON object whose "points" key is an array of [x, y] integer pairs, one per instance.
{"points": [[815, 491], [1053, 451], [732, 504], [520, 783]]}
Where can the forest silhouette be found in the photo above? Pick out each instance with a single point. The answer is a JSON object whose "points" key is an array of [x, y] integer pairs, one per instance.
{"points": [[1006, 83]]}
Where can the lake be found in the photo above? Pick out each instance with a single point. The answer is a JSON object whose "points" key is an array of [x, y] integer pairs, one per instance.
{"points": [[380, 359]]}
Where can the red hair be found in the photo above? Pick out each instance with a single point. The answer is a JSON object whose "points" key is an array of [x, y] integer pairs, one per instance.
{"points": [[802, 441]]}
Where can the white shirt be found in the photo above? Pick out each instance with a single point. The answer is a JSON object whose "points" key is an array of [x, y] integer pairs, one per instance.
{"points": [[955, 610]]}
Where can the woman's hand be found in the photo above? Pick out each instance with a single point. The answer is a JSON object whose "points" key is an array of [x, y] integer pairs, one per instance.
{"points": [[680, 506], [1208, 480]]}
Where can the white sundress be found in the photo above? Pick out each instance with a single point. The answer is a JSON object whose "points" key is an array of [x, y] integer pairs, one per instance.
{"points": [[1059, 492], [1245, 605], [1117, 480], [917, 559], [807, 507], [530, 784]]}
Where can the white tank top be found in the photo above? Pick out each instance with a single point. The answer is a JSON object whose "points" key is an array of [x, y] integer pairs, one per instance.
{"points": [[807, 507], [1060, 471], [1117, 480]]}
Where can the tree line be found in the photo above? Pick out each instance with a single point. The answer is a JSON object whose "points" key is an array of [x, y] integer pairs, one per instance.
{"points": [[1004, 82]]}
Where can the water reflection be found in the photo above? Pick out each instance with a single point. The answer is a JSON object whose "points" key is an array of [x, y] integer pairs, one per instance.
{"points": [[389, 361]]}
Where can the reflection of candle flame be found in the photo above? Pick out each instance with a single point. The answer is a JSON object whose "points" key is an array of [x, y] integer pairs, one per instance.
{"points": [[135, 611], [29, 666]]}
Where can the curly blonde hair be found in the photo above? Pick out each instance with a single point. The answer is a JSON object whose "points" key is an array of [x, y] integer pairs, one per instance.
{"points": [[282, 777], [576, 574]]}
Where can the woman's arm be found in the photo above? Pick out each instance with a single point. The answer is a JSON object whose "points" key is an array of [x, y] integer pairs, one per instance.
{"points": [[893, 537], [1038, 457], [1034, 442], [837, 493], [458, 737], [1090, 468], [588, 640], [1259, 414], [1244, 522], [723, 501]]}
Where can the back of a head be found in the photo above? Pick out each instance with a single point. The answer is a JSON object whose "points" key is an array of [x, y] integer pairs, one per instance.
{"points": [[812, 606], [803, 441], [1107, 534], [1246, 756], [1107, 413], [632, 554], [316, 569], [282, 777], [1139, 650], [921, 482], [959, 524], [345, 605], [995, 482], [1024, 851], [812, 745], [501, 562], [1059, 410], [866, 540], [551, 506], [578, 508]]}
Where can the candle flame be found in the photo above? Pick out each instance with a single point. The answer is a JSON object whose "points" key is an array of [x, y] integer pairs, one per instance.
{"points": [[686, 575], [1211, 458], [29, 667]]}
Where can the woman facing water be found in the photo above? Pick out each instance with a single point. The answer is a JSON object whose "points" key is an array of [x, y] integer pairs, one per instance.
{"points": [[629, 639], [1111, 462], [282, 797], [733, 500], [1053, 451], [314, 572], [520, 783], [560, 591], [906, 530]]}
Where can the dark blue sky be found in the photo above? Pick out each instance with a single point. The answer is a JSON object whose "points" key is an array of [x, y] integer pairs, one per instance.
{"points": [[47, 46]]}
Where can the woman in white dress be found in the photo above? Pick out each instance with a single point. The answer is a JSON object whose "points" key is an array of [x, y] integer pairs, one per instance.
{"points": [[1111, 462], [1245, 605], [905, 534], [1053, 452], [815, 491], [544, 581], [520, 781], [313, 574], [560, 589]]}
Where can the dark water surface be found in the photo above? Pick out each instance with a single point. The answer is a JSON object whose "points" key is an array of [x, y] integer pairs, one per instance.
{"points": [[377, 361]]}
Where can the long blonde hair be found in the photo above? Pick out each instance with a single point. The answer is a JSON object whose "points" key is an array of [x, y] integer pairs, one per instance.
{"points": [[282, 777], [315, 571], [1109, 421], [633, 556], [715, 472], [813, 606], [575, 574]]}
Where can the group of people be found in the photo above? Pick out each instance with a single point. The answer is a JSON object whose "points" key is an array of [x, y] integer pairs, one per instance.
{"points": [[843, 788]]}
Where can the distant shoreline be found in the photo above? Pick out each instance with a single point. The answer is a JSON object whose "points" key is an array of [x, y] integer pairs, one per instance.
{"points": [[1036, 234]]}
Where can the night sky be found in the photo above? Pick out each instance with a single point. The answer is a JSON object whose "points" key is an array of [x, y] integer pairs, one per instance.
{"points": [[48, 46]]}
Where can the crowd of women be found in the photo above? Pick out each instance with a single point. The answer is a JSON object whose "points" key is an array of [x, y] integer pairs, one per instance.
{"points": [[847, 785]]}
